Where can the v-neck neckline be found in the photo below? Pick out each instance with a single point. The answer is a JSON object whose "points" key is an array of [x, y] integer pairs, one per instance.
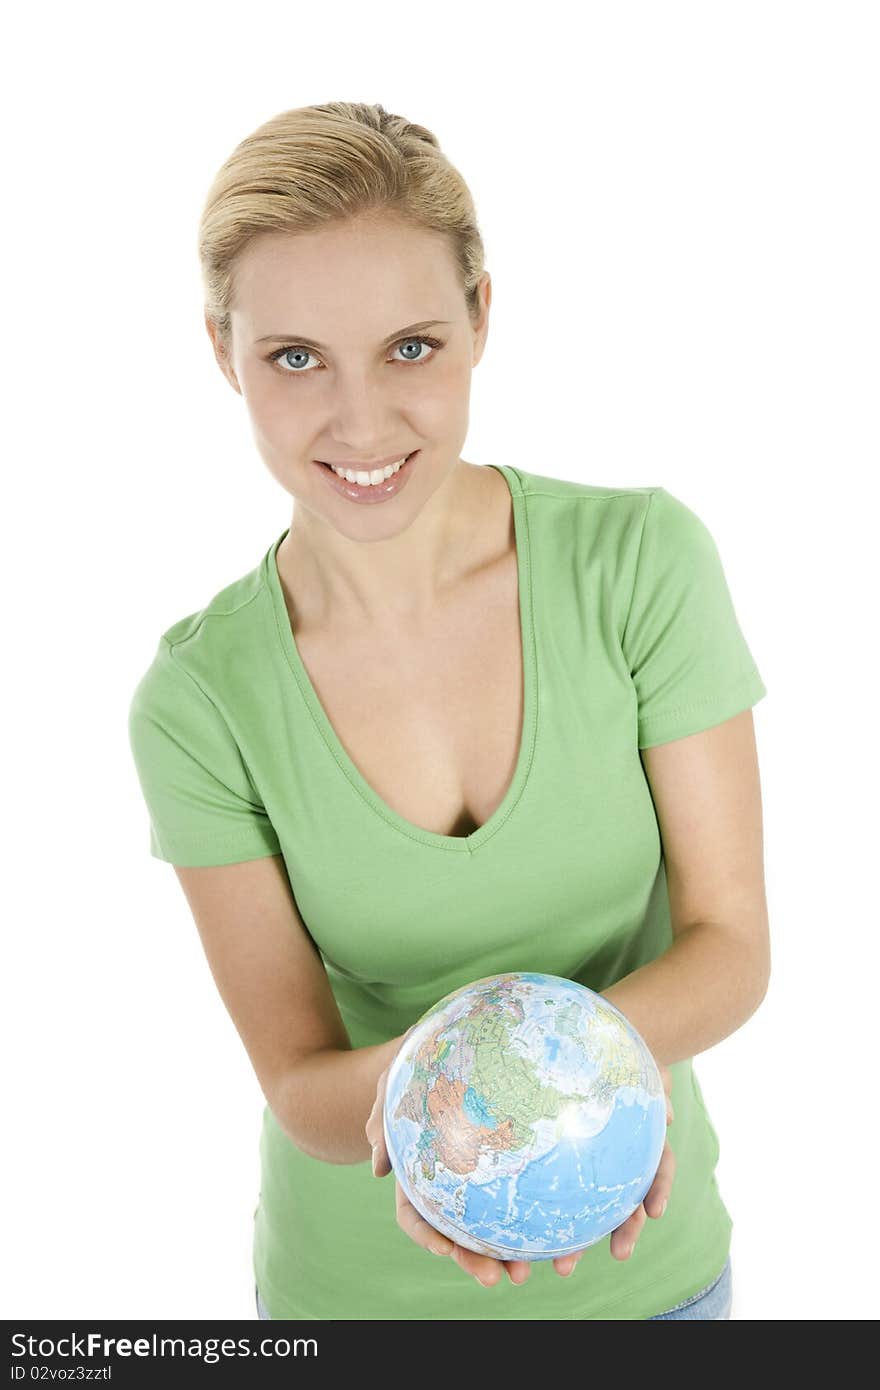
{"points": [[461, 844]]}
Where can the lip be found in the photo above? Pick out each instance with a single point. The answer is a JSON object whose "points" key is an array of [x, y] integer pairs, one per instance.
{"points": [[370, 495]]}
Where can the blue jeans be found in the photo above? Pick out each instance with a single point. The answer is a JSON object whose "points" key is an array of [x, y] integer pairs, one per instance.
{"points": [[711, 1304]]}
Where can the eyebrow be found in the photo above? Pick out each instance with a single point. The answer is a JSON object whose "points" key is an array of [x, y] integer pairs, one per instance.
{"points": [[300, 341]]}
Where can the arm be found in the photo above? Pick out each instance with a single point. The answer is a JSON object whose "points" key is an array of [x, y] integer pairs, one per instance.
{"points": [[699, 991], [325, 1101], [706, 792], [272, 980]]}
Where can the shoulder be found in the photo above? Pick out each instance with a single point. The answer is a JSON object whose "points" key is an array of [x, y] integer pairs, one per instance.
{"points": [[223, 636], [636, 521], [591, 521], [570, 490], [221, 610]]}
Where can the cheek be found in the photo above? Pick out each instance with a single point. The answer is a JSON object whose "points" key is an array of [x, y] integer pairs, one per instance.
{"points": [[278, 410], [445, 396]]}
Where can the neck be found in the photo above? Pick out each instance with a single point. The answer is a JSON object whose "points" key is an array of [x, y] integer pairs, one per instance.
{"points": [[347, 583]]}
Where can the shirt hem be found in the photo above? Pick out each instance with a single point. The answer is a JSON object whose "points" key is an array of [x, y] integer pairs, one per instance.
{"points": [[267, 1294]]}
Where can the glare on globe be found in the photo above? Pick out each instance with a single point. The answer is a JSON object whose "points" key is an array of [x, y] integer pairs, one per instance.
{"points": [[524, 1116]]}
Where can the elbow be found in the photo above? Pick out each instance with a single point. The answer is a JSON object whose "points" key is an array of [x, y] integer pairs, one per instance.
{"points": [[754, 977], [767, 966], [762, 984], [758, 968]]}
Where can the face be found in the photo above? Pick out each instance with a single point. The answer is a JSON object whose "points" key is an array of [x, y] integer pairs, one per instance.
{"points": [[370, 392]]}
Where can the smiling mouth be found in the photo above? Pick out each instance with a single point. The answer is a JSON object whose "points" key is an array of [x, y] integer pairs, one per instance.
{"points": [[352, 469]]}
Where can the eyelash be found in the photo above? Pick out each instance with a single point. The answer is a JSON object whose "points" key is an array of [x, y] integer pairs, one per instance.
{"points": [[291, 347]]}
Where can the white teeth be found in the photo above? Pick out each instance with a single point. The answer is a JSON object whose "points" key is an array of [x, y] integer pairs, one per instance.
{"points": [[363, 479]]}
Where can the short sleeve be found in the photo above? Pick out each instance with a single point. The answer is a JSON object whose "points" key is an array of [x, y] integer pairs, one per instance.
{"points": [[202, 804], [687, 656]]}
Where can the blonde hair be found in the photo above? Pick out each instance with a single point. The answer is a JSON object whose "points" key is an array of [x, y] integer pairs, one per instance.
{"points": [[318, 165]]}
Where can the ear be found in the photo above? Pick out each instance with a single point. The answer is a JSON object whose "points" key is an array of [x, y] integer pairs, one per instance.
{"points": [[221, 354], [481, 330]]}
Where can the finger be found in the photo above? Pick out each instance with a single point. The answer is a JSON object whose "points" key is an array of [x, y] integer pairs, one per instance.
{"points": [[380, 1160], [413, 1224], [481, 1267], [623, 1239], [375, 1130], [376, 1139], [658, 1193], [488, 1271], [372, 1129], [565, 1264]]}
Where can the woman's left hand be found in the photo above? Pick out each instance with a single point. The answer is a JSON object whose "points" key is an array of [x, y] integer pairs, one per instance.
{"points": [[623, 1238]]}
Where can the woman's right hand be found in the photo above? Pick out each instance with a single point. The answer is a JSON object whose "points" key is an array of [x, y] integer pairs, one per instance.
{"points": [[483, 1268]]}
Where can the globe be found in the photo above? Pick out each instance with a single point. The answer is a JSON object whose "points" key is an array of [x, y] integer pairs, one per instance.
{"points": [[524, 1116]]}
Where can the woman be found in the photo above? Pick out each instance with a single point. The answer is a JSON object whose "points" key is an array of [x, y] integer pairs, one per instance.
{"points": [[458, 720]]}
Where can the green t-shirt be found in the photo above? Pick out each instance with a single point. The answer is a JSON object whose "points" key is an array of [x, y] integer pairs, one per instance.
{"points": [[630, 639]]}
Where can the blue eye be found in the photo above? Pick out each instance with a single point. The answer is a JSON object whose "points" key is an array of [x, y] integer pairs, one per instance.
{"points": [[305, 353]]}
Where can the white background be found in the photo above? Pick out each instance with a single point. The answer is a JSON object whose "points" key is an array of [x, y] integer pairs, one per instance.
{"points": [[680, 210]]}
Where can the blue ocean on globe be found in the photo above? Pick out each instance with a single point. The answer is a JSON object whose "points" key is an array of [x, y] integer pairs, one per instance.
{"points": [[524, 1116]]}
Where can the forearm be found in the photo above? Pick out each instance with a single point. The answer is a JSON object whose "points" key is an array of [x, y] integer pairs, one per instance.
{"points": [[704, 987], [325, 1103]]}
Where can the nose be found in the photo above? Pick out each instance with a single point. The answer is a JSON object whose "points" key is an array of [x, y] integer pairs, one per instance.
{"points": [[363, 421]]}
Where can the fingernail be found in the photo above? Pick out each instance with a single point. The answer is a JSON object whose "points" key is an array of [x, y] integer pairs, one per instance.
{"points": [[663, 1208], [375, 1174]]}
